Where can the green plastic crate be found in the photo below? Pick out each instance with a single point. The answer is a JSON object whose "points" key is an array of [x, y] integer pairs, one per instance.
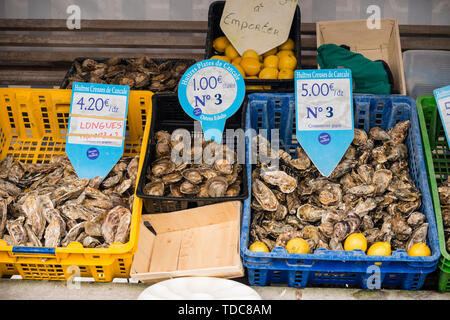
{"points": [[437, 161]]}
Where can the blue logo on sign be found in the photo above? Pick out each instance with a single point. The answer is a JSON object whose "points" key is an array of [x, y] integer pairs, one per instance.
{"points": [[92, 153], [197, 111], [324, 138]]}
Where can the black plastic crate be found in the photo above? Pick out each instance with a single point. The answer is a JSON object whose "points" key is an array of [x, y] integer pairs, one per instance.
{"points": [[214, 31], [72, 69], [168, 115]]}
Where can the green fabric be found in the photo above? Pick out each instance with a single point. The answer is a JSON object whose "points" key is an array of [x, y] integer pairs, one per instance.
{"points": [[368, 76]]}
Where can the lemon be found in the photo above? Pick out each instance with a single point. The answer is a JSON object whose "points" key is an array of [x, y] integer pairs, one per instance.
{"points": [[286, 74], [271, 62], [220, 44], [268, 73], [258, 246], [284, 53], [379, 249], [297, 245], [287, 62], [251, 66], [288, 45], [231, 52], [236, 61], [419, 250], [270, 52], [250, 54], [240, 70], [355, 241], [224, 58]]}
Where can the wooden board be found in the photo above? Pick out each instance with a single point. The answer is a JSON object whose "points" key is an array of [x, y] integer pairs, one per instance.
{"points": [[202, 241]]}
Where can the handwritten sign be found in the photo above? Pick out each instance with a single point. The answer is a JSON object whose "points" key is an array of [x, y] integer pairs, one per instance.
{"points": [[211, 91], [97, 125], [442, 96], [324, 106], [260, 25]]}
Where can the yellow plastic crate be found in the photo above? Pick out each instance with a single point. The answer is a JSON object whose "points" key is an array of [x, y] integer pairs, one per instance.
{"points": [[33, 126]]}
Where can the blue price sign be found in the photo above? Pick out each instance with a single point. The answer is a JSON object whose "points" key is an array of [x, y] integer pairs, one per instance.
{"points": [[442, 96], [324, 106], [211, 91], [96, 130]]}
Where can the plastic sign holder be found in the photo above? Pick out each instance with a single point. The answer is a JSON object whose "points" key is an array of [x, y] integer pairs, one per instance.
{"points": [[97, 126], [324, 115], [442, 97], [211, 91]]}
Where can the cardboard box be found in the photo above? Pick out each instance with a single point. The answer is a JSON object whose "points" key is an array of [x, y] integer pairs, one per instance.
{"points": [[203, 241], [375, 44]]}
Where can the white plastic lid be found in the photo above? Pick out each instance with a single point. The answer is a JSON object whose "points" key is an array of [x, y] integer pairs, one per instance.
{"points": [[199, 288]]}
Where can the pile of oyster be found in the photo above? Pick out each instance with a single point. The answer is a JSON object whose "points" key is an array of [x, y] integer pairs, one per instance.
{"points": [[444, 198], [370, 191], [141, 73], [195, 177], [48, 205]]}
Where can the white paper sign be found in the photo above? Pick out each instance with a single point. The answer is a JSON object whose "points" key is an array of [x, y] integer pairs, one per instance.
{"points": [[260, 25]]}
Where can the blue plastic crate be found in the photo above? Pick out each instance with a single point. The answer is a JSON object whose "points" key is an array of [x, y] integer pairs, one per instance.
{"points": [[277, 111]]}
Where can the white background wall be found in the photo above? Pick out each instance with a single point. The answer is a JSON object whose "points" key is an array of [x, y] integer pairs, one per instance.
{"points": [[406, 11]]}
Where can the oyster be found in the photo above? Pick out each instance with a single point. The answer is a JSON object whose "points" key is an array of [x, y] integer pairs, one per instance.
{"points": [[281, 213], [223, 166], [415, 219], [3, 216], [310, 213], [360, 137], [376, 133], [264, 196], [123, 228], [73, 233], [311, 235], [418, 236], [33, 240], [35, 219], [171, 178], [90, 242], [379, 154], [302, 162], [285, 237], [335, 245], [326, 229], [364, 206], [330, 194], [381, 179], [363, 190], [402, 231], [217, 187], [187, 187], [399, 132], [110, 226], [342, 168], [154, 189], [69, 191], [192, 175], [162, 167], [293, 202], [53, 233], [285, 182]]}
